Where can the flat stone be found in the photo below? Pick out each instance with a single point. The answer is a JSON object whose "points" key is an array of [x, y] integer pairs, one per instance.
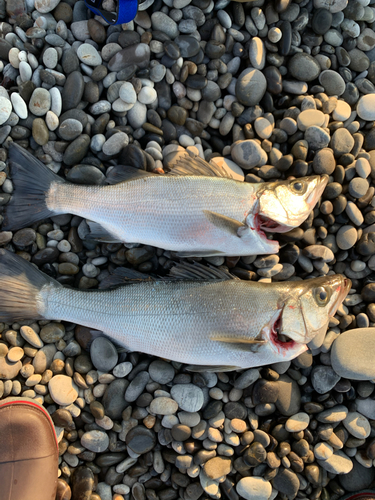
{"points": [[338, 463], [89, 55], [161, 372], [138, 54], [247, 154], [304, 67], [254, 488], [40, 102], [113, 399], [357, 425], [317, 137], [103, 354], [140, 439], [352, 354], [250, 87], [286, 482], [289, 397], [31, 337], [359, 478], [323, 379], [310, 117], [297, 422], [188, 396], [217, 467], [163, 406], [96, 441], [366, 107], [43, 358], [9, 369], [63, 390]]}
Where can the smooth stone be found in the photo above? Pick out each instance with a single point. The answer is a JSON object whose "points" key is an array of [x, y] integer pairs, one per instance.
{"points": [[161, 372], [8, 369], [323, 379], [76, 150], [19, 106], [286, 482], [297, 422], [103, 354], [188, 396], [89, 55], [250, 87], [82, 483], [70, 129], [366, 107], [310, 117], [62, 390], [31, 337], [333, 415], [40, 102], [359, 478], [217, 467], [357, 425], [163, 406], [73, 91], [137, 115], [289, 396], [45, 6], [134, 54], [346, 237], [247, 154], [113, 400], [5, 109], [43, 358], [303, 67], [161, 22], [338, 463], [140, 439], [40, 131], [317, 137], [352, 354], [254, 488], [52, 332], [332, 82], [96, 441]]}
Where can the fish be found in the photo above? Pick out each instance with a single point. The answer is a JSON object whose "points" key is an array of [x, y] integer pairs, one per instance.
{"points": [[194, 211], [208, 320]]}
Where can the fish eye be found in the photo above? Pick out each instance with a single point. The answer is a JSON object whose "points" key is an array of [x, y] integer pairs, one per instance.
{"points": [[322, 296], [299, 187]]}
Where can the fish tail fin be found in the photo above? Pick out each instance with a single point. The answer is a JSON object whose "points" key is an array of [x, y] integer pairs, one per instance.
{"points": [[32, 181], [20, 289]]}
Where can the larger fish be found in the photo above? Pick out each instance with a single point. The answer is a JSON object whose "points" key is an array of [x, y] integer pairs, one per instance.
{"points": [[189, 214], [219, 323]]}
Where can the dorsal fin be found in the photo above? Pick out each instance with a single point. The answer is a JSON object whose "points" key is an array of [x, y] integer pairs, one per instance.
{"points": [[197, 271], [186, 165], [122, 173], [123, 276]]}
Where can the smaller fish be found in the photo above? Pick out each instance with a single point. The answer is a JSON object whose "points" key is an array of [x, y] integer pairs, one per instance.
{"points": [[195, 210], [207, 319]]}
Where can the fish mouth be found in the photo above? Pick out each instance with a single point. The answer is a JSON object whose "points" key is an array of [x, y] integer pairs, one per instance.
{"points": [[279, 340], [267, 224], [343, 290]]}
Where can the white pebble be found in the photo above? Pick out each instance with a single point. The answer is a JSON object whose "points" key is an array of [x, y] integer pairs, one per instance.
{"points": [[147, 95], [19, 105]]}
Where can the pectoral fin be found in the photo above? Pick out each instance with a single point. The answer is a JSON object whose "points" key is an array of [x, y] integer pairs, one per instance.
{"points": [[240, 344], [218, 368], [223, 222]]}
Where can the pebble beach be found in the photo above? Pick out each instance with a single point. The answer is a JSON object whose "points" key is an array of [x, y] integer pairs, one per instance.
{"points": [[267, 90]]}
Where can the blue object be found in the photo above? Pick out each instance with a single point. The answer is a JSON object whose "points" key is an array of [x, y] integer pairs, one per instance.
{"points": [[126, 11]]}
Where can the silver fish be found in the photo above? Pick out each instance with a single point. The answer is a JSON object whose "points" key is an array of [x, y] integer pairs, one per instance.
{"points": [[190, 214], [218, 323]]}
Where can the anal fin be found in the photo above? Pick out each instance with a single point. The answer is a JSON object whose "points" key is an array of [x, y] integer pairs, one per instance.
{"points": [[213, 368], [99, 233]]}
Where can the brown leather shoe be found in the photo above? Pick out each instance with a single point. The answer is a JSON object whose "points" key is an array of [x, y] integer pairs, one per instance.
{"points": [[360, 495], [28, 451]]}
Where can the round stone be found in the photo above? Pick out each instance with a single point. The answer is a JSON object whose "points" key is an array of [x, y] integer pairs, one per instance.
{"points": [[316, 137], [140, 439], [247, 154], [342, 111], [63, 390], [147, 95], [217, 467], [189, 397], [5, 109], [337, 463], [103, 354], [50, 58], [263, 128], [346, 237], [297, 422], [310, 117], [304, 67], [342, 142], [254, 488], [322, 451], [163, 406], [366, 107], [332, 81], [358, 187], [89, 55], [19, 106], [161, 372], [357, 425], [96, 441], [323, 379], [352, 354], [250, 87], [40, 102]]}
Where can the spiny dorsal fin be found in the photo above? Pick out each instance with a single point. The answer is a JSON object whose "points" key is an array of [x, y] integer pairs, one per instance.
{"points": [[197, 271], [186, 165], [123, 173]]}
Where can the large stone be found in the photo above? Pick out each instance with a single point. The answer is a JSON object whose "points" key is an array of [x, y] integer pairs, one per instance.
{"points": [[250, 86], [352, 354]]}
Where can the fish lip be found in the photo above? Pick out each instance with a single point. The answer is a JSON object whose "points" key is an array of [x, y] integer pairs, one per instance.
{"points": [[346, 285], [318, 191]]}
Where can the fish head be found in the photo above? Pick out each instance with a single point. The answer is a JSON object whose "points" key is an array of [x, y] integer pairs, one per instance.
{"points": [[308, 306], [284, 205]]}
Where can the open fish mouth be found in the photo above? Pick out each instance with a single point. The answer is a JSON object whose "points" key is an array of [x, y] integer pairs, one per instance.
{"points": [[278, 339], [270, 225]]}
